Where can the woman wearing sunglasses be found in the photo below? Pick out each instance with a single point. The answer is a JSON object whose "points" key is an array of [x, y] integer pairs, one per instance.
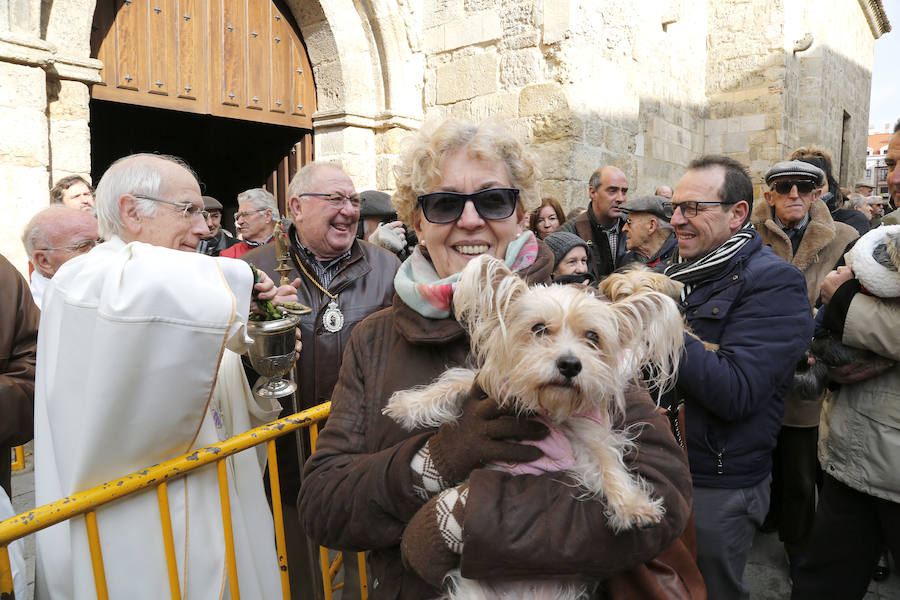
{"points": [[464, 189]]}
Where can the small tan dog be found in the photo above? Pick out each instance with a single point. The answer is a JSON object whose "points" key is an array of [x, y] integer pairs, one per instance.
{"points": [[560, 353]]}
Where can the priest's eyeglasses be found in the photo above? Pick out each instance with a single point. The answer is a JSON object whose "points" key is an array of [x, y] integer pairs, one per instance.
{"points": [[78, 247], [189, 210], [688, 209], [337, 200]]}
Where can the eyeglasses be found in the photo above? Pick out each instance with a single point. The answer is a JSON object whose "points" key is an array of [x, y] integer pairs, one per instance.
{"points": [[189, 210], [336, 200], [688, 209], [247, 213], [78, 247], [492, 204], [803, 187]]}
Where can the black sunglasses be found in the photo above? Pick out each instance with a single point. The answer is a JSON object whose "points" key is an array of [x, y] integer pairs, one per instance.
{"points": [[803, 187], [492, 204]]}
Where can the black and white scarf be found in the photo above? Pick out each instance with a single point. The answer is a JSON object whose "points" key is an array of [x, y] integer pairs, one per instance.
{"points": [[692, 272]]}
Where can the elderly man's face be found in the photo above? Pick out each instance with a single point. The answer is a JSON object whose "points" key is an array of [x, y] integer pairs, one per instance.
{"points": [[611, 193], [792, 205], [254, 223], [214, 221], [169, 226], [65, 240], [638, 226], [326, 229], [876, 208]]}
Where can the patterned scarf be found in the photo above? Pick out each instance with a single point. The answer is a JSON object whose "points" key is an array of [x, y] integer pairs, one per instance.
{"points": [[418, 284], [692, 272]]}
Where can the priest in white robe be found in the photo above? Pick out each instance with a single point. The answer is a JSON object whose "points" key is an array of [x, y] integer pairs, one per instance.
{"points": [[131, 373]]}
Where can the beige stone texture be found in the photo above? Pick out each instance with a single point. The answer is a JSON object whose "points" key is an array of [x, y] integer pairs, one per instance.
{"points": [[71, 143], [477, 28], [466, 78]]}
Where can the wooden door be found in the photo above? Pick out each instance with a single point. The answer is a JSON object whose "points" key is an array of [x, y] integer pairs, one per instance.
{"points": [[241, 59]]}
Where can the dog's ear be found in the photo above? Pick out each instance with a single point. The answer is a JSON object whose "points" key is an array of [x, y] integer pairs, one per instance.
{"points": [[485, 290], [621, 284], [651, 328]]}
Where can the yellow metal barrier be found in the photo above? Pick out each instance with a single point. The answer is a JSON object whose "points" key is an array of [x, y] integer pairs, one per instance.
{"points": [[157, 476], [18, 462]]}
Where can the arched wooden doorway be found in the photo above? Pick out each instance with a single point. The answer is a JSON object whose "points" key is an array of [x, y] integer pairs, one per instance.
{"points": [[225, 84]]}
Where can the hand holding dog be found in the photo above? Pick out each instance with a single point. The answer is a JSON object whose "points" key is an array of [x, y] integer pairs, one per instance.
{"points": [[484, 433]]}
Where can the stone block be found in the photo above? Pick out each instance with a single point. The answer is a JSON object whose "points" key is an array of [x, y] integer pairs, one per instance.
{"points": [[541, 98], [713, 144], [26, 190], [390, 141], [23, 87], [71, 103], [438, 12], [467, 78], [23, 137], [71, 143], [554, 159], [735, 142], [476, 29], [500, 104], [384, 172], [557, 21], [556, 126], [519, 68]]}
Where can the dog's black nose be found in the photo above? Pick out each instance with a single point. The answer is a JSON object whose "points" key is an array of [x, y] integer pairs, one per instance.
{"points": [[569, 366]]}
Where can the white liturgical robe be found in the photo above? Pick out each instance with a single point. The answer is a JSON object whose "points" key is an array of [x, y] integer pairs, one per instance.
{"points": [[130, 345]]}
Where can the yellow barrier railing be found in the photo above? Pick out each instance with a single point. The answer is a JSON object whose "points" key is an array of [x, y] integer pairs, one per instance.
{"points": [[18, 462], [157, 476]]}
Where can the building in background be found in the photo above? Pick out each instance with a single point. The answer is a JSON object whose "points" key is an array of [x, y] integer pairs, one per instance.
{"points": [[876, 170], [248, 90]]}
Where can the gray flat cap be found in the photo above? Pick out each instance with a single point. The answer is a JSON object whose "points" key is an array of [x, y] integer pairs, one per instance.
{"points": [[796, 170], [210, 203], [655, 205], [375, 204]]}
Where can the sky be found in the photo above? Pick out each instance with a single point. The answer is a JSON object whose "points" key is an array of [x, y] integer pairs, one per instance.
{"points": [[885, 103]]}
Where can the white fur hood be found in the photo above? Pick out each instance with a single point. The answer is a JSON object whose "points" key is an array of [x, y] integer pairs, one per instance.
{"points": [[879, 280]]}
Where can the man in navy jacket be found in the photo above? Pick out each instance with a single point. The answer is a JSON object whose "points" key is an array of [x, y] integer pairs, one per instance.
{"points": [[750, 310]]}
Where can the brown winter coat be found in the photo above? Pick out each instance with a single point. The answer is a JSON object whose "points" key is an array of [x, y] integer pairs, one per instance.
{"points": [[821, 248], [18, 345], [357, 490]]}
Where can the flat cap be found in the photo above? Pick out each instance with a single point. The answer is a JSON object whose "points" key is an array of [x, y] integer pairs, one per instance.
{"points": [[797, 170], [655, 205], [375, 204], [210, 203], [864, 183]]}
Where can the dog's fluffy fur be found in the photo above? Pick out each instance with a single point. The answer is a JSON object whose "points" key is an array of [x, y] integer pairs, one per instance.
{"points": [[525, 342]]}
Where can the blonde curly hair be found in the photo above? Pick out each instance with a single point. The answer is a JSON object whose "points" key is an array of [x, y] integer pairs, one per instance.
{"points": [[419, 169]]}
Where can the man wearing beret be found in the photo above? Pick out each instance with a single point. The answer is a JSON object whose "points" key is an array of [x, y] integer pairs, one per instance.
{"points": [[218, 239], [797, 225], [651, 238]]}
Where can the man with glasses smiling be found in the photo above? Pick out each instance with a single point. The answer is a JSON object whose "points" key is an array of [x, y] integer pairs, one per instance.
{"points": [[255, 220], [751, 312], [343, 279], [51, 238], [137, 358]]}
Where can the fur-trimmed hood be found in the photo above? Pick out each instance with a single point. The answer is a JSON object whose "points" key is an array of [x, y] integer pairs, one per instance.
{"points": [[881, 278]]}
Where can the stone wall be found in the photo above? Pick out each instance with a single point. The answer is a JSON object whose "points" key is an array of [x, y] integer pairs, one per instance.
{"points": [[584, 84], [836, 78]]}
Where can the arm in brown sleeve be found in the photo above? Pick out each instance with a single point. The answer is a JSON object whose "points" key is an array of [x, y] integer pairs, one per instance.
{"points": [[533, 526], [18, 348]]}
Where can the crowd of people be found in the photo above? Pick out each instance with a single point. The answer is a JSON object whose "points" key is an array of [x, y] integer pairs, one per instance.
{"points": [[145, 298]]}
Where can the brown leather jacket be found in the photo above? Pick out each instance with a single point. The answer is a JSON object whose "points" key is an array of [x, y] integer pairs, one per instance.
{"points": [[357, 490], [364, 284], [18, 345]]}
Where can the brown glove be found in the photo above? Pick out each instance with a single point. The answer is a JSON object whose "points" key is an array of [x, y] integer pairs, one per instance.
{"points": [[482, 434], [433, 538]]}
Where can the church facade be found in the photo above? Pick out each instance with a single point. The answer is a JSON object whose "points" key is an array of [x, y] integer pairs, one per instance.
{"points": [[646, 85]]}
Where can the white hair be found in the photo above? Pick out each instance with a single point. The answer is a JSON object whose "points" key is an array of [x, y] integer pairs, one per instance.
{"points": [[134, 174], [304, 179], [260, 199]]}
